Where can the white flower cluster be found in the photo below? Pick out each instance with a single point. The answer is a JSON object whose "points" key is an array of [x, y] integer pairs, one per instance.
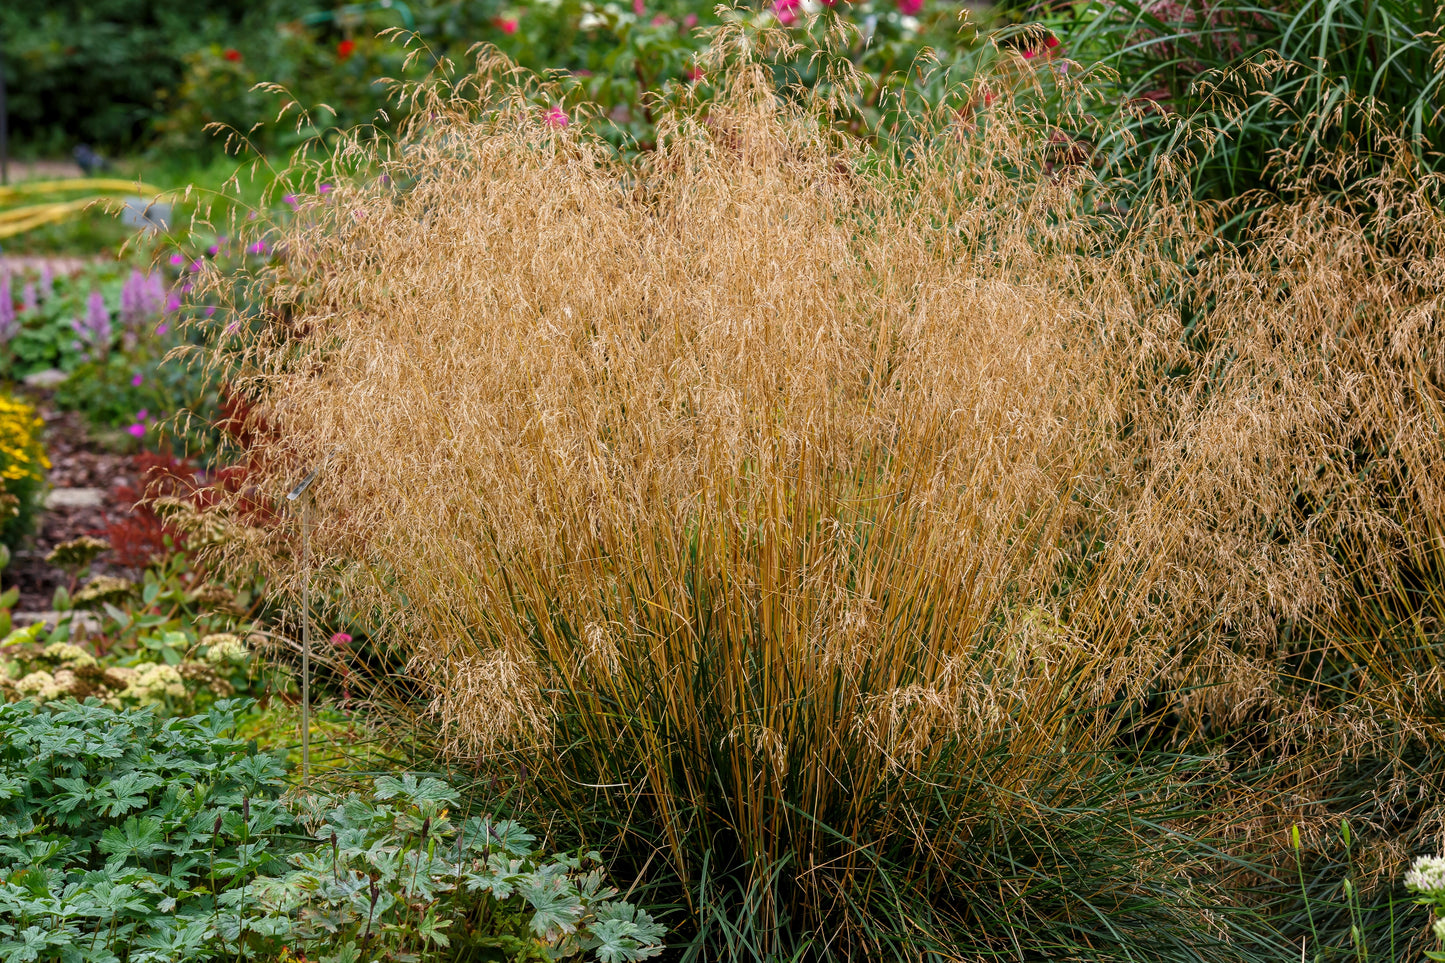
{"points": [[154, 681], [41, 685], [224, 647], [68, 654], [1427, 876]]}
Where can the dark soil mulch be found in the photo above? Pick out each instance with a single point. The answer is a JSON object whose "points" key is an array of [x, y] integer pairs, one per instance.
{"points": [[77, 462]]}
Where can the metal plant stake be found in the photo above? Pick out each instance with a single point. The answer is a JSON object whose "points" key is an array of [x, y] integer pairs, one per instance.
{"points": [[296, 493]]}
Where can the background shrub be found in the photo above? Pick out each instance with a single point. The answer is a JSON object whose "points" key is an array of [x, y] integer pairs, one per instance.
{"points": [[89, 71], [1304, 95]]}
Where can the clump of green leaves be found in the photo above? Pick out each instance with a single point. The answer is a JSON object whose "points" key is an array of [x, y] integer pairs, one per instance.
{"points": [[395, 877], [128, 838], [119, 830]]}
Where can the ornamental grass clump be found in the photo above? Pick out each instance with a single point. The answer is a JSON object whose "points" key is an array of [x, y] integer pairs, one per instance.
{"points": [[868, 548]]}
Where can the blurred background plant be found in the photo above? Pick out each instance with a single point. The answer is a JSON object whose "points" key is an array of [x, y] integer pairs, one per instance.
{"points": [[22, 467], [1243, 96]]}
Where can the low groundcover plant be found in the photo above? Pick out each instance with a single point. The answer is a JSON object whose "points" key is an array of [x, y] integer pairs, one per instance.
{"points": [[125, 838]]}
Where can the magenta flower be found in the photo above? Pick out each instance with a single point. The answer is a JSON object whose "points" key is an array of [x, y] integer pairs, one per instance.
{"points": [[787, 11], [638, 7], [324, 189], [178, 259], [258, 248], [137, 380], [162, 328], [210, 310], [137, 430], [213, 250], [340, 639], [557, 118], [173, 303], [291, 199], [910, 8]]}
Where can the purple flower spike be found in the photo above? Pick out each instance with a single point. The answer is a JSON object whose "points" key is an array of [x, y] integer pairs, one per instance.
{"points": [[47, 280], [94, 333], [29, 300], [8, 323]]}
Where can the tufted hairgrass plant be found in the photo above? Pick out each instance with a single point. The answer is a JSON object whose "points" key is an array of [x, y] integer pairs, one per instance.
{"points": [[881, 553]]}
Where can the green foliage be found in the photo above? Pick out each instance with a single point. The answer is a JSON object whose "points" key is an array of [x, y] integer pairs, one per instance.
{"points": [[395, 877], [1312, 94], [88, 70], [48, 308], [119, 831], [125, 838], [167, 642], [615, 60], [133, 392]]}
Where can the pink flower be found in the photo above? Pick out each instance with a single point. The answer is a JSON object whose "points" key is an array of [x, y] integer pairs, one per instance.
{"points": [[162, 328], [638, 7], [142, 415], [694, 73], [213, 250], [340, 639], [173, 303], [910, 8], [291, 199], [178, 259], [786, 11], [690, 21], [137, 430], [324, 189], [661, 20], [508, 25], [258, 248], [196, 266], [210, 310], [137, 380], [557, 118]]}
